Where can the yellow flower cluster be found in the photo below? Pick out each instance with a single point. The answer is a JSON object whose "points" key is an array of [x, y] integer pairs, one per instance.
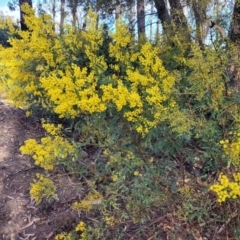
{"points": [[92, 199], [227, 189], [63, 236], [136, 173], [52, 129], [41, 188], [236, 177], [115, 177], [202, 78], [110, 220], [43, 67], [232, 148], [94, 41], [71, 98], [19, 64], [81, 227], [49, 151], [122, 39], [154, 86]]}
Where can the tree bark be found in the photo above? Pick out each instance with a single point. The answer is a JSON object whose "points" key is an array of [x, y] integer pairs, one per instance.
{"points": [[199, 10], [73, 4], [62, 15], [141, 18], [118, 9], [235, 24], [22, 21], [234, 35], [54, 13], [178, 16], [162, 12], [132, 15]]}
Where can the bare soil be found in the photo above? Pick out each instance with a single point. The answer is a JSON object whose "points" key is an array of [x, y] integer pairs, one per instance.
{"points": [[20, 218]]}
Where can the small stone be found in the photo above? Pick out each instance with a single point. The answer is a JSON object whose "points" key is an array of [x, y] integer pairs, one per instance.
{"points": [[84, 154]]}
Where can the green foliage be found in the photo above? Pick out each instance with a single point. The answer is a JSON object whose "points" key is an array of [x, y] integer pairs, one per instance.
{"points": [[150, 117]]}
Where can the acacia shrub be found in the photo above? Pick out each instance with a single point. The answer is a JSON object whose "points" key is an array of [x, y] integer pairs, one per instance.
{"points": [[146, 113]]}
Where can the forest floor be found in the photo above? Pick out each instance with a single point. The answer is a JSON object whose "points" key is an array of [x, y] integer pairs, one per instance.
{"points": [[20, 218]]}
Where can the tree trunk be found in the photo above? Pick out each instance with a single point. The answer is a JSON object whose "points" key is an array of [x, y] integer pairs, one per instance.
{"points": [[132, 15], [54, 13], [73, 4], [199, 10], [151, 20], [162, 12], [117, 9], [235, 24], [141, 18], [22, 22], [178, 16], [62, 15], [234, 35]]}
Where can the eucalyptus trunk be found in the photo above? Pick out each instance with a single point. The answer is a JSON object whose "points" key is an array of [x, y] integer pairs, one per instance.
{"points": [[141, 18], [73, 4], [235, 24], [62, 15], [54, 13], [132, 15], [163, 12], [200, 15]]}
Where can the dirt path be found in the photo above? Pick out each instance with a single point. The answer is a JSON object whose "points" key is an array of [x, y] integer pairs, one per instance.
{"points": [[16, 172], [19, 217]]}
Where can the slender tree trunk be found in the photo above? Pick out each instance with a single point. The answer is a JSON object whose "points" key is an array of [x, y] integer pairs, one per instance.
{"points": [[74, 17], [117, 9], [22, 22], [151, 20], [54, 13], [132, 15], [141, 18], [162, 11], [62, 15], [73, 4], [199, 10]]}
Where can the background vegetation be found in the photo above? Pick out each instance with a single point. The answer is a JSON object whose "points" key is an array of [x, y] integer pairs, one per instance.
{"points": [[158, 116]]}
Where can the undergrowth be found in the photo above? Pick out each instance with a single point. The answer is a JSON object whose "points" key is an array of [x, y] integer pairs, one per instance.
{"points": [[160, 122]]}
